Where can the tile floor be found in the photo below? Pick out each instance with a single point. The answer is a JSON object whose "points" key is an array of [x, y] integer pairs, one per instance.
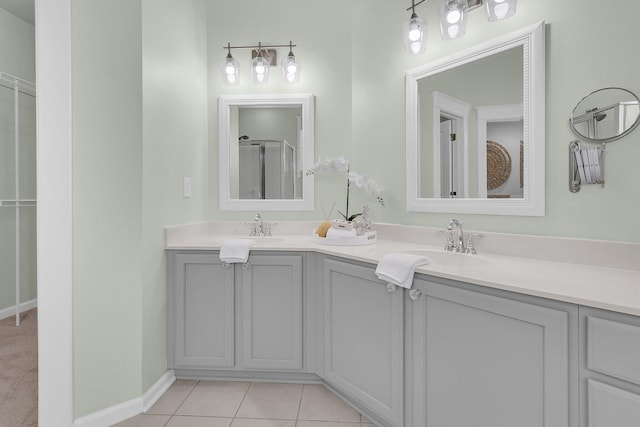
{"points": [[244, 404]]}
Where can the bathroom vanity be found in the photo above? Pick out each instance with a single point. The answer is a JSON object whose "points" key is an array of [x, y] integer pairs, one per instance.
{"points": [[482, 340]]}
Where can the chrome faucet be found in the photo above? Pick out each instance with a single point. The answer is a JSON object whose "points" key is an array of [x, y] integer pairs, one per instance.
{"points": [[260, 228], [456, 245], [257, 228]]}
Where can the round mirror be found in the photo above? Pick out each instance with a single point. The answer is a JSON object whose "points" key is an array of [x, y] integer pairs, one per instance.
{"points": [[606, 114]]}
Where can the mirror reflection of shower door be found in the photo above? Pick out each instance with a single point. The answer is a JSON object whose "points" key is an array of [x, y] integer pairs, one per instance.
{"points": [[266, 170]]}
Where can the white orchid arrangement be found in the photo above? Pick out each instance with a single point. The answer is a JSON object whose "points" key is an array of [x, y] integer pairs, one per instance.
{"points": [[341, 165]]}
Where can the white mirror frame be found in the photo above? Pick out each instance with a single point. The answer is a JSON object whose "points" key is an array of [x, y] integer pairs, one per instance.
{"points": [[531, 38], [305, 101]]}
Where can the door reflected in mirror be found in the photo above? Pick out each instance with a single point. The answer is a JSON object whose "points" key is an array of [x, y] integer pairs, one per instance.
{"points": [[460, 112]]}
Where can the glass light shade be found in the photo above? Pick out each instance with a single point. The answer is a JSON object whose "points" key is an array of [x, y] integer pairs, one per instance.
{"points": [[500, 9], [230, 71], [291, 68], [413, 35], [260, 70], [453, 18]]}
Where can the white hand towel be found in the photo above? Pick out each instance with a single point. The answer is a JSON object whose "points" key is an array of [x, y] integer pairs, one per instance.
{"points": [[398, 268], [235, 250], [334, 233]]}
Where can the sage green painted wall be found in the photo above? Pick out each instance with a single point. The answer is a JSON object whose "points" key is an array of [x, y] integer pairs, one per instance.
{"points": [[17, 57], [322, 31], [367, 112], [584, 43], [107, 203], [174, 74], [132, 148]]}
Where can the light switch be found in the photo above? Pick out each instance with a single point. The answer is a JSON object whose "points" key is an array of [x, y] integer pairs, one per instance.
{"points": [[186, 186]]}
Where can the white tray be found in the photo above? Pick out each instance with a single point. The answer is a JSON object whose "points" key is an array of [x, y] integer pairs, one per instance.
{"points": [[368, 238]]}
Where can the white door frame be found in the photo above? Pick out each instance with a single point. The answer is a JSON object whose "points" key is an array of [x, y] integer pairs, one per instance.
{"points": [[54, 217]]}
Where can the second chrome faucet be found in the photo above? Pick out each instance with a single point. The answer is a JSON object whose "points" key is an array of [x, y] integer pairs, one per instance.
{"points": [[456, 239]]}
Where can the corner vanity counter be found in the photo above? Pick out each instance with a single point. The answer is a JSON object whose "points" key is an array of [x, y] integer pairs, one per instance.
{"points": [[531, 331]]}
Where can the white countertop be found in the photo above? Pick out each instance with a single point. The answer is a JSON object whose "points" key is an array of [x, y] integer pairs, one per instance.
{"points": [[607, 279]]}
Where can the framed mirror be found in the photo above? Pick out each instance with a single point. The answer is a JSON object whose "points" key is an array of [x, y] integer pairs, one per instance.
{"points": [[475, 135], [265, 146], [606, 114]]}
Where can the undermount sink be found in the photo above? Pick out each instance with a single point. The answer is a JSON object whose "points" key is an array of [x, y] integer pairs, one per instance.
{"points": [[452, 260]]}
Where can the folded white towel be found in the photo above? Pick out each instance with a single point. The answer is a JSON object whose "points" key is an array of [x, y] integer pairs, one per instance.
{"points": [[334, 233], [235, 250], [398, 268]]}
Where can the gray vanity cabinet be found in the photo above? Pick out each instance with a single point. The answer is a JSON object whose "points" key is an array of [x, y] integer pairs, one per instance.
{"points": [[201, 304], [271, 313], [484, 360], [610, 369], [363, 339], [235, 317]]}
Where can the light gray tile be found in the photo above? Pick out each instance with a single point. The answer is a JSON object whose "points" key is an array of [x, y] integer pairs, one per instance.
{"points": [[251, 422], [190, 421], [171, 400], [145, 421], [214, 399], [326, 424], [319, 404], [268, 400]]}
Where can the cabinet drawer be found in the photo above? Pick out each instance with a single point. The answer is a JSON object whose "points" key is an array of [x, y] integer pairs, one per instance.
{"points": [[613, 348], [611, 406]]}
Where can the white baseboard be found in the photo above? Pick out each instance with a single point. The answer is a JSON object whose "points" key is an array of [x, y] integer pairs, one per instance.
{"points": [[24, 306], [130, 408], [157, 390]]}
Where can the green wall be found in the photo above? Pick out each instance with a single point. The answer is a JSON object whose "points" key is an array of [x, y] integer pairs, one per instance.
{"points": [[581, 56], [107, 203], [360, 112], [175, 145], [139, 127], [146, 82], [322, 33]]}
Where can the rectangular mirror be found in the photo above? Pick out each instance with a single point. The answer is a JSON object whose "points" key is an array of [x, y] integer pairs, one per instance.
{"points": [[266, 145], [475, 129]]}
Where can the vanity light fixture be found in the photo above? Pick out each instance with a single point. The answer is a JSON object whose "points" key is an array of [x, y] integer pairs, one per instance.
{"points": [[230, 69], [260, 67], [500, 9], [263, 58], [413, 32], [453, 20], [291, 67]]}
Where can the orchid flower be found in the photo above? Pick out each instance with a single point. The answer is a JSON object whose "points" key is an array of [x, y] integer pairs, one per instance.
{"points": [[340, 164]]}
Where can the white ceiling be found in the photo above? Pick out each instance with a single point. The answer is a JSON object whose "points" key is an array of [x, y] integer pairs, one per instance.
{"points": [[23, 9]]}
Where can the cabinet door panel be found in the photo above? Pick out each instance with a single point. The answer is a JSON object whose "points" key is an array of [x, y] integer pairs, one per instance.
{"points": [[204, 312], [613, 348], [612, 407], [487, 361], [364, 338], [272, 313]]}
